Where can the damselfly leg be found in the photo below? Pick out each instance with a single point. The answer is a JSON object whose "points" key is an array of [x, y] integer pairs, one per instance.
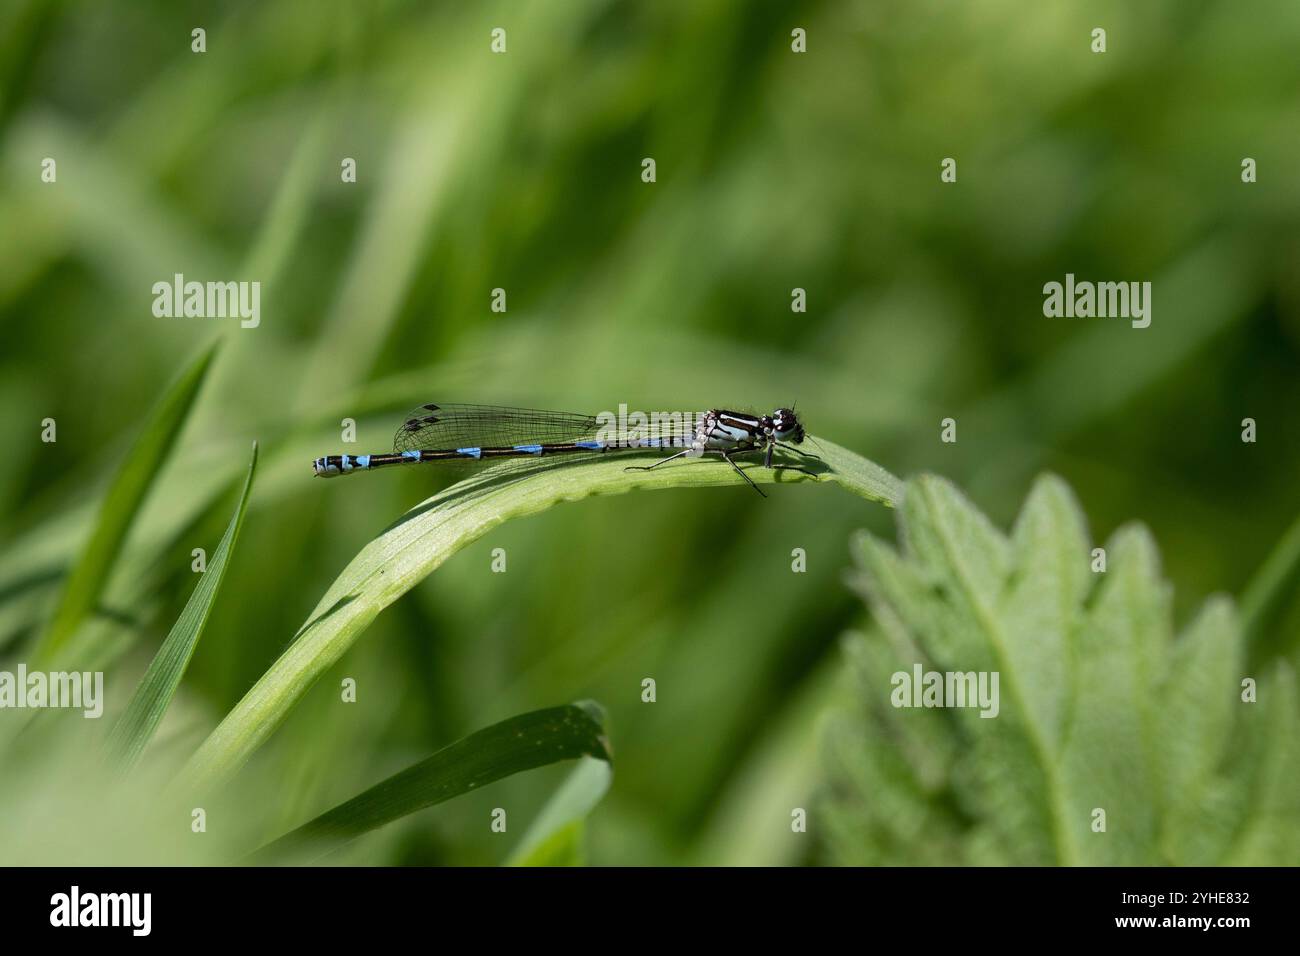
{"points": [[799, 452], [662, 461], [802, 471], [724, 455], [774, 445], [739, 471]]}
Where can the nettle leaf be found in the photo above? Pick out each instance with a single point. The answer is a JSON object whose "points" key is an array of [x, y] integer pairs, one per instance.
{"points": [[1098, 706]]}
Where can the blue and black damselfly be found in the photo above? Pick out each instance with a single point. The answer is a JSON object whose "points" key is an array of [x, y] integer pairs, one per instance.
{"points": [[478, 434]]}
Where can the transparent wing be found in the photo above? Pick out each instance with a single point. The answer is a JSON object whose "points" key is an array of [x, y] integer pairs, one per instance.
{"points": [[435, 427]]}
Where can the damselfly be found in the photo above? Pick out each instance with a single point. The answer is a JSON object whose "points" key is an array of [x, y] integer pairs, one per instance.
{"points": [[478, 434]]}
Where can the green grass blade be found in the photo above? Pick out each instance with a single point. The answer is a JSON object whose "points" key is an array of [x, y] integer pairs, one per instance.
{"points": [[90, 573], [520, 743], [555, 837], [136, 725], [1268, 592], [427, 535]]}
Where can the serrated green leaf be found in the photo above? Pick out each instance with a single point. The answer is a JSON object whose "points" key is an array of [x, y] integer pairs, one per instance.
{"points": [[1111, 759], [1043, 605], [421, 540], [1011, 779], [1100, 709], [90, 573], [1199, 694], [520, 743], [1269, 806], [908, 763], [149, 702]]}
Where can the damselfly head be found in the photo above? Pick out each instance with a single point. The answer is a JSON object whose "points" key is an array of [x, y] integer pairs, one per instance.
{"points": [[786, 426]]}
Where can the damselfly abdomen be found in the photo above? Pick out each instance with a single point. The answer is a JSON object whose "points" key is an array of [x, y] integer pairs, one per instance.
{"points": [[478, 434]]}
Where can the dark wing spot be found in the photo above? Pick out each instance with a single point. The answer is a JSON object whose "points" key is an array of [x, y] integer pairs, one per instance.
{"points": [[432, 408], [411, 425]]}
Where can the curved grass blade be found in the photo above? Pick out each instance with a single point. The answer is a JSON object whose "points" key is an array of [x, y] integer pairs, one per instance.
{"points": [[520, 743], [136, 725], [89, 574], [1268, 593], [555, 837], [427, 535]]}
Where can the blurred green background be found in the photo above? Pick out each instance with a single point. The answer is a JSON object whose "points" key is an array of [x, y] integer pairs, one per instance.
{"points": [[522, 171]]}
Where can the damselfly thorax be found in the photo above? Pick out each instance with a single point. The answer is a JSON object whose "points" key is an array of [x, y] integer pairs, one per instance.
{"points": [[469, 434]]}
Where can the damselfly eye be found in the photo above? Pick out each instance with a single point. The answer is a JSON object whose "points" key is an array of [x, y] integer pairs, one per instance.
{"points": [[786, 424]]}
